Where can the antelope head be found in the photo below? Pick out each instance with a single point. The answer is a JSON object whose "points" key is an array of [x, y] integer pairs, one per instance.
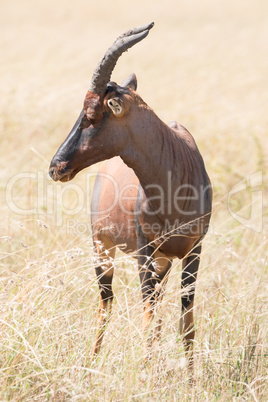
{"points": [[98, 133]]}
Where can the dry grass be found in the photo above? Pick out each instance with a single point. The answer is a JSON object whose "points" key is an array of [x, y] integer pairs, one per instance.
{"points": [[205, 64]]}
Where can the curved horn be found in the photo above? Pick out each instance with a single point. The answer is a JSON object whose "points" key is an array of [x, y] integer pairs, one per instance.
{"points": [[103, 71]]}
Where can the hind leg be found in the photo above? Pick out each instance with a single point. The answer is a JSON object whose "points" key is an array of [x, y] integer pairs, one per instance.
{"points": [[189, 273], [105, 252]]}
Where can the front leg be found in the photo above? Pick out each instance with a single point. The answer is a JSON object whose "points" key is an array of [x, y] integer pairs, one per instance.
{"points": [[104, 253], [153, 273], [147, 280], [189, 273]]}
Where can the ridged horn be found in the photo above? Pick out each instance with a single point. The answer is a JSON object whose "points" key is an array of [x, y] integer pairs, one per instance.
{"points": [[103, 71]]}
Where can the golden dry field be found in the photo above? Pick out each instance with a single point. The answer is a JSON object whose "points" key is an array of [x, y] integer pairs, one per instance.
{"points": [[204, 64]]}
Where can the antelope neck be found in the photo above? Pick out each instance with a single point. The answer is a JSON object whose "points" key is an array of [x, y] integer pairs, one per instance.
{"points": [[156, 153]]}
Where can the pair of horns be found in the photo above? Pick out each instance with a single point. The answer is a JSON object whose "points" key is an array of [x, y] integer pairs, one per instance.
{"points": [[103, 71]]}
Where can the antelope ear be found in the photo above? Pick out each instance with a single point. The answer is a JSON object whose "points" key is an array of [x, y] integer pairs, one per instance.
{"points": [[114, 105], [130, 82]]}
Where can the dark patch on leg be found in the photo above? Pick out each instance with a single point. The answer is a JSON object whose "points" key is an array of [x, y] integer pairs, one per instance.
{"points": [[189, 275], [145, 261]]}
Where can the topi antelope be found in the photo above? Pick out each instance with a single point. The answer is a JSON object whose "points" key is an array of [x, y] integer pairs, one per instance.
{"points": [[152, 197]]}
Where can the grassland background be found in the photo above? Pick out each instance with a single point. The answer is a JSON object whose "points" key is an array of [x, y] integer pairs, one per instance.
{"points": [[204, 64]]}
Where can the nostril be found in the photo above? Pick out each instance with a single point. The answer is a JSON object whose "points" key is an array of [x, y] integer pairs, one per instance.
{"points": [[52, 172], [58, 169], [55, 161]]}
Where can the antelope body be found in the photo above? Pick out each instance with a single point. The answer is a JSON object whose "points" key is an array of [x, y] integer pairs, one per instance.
{"points": [[151, 197]]}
